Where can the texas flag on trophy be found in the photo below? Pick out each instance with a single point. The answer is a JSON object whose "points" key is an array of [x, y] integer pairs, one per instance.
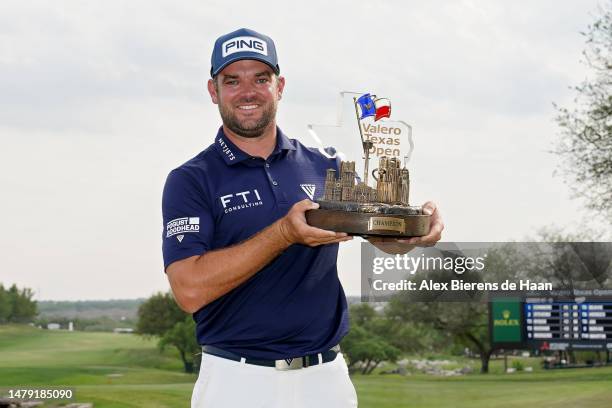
{"points": [[383, 108], [368, 105]]}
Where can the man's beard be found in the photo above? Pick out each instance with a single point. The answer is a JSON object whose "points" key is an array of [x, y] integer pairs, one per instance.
{"points": [[241, 128]]}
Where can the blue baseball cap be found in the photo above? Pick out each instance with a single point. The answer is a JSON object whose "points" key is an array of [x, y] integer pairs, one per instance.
{"points": [[240, 45]]}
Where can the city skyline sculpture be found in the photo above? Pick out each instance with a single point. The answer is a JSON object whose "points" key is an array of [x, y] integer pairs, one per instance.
{"points": [[349, 204]]}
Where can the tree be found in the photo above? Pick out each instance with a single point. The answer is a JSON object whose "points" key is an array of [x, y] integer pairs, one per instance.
{"points": [[24, 308], [17, 305], [182, 336], [370, 340], [466, 323], [575, 260], [362, 314], [361, 345], [158, 314], [6, 306], [586, 129]]}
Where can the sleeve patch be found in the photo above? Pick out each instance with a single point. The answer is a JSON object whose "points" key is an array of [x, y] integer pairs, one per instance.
{"points": [[182, 225]]}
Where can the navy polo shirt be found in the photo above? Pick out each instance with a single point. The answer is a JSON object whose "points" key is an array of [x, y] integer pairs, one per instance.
{"points": [[295, 305]]}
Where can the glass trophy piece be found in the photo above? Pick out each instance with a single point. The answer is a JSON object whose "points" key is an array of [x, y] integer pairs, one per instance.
{"points": [[371, 196]]}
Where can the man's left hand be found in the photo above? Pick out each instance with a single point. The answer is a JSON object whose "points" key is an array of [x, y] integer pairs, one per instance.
{"points": [[436, 226]]}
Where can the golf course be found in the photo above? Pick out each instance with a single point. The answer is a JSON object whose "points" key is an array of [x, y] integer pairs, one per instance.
{"points": [[126, 370]]}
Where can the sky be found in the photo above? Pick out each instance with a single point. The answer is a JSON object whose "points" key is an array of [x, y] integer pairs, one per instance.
{"points": [[100, 100]]}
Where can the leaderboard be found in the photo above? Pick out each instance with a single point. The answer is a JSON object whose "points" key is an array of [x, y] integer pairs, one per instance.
{"points": [[568, 321]]}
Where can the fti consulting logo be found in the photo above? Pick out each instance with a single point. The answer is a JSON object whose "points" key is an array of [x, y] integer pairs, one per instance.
{"points": [[181, 226], [240, 200]]}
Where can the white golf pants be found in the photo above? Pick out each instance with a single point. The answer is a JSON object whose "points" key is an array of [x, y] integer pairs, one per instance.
{"points": [[224, 383]]}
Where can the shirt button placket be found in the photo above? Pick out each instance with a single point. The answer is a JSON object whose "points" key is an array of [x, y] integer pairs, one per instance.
{"points": [[278, 195], [270, 177]]}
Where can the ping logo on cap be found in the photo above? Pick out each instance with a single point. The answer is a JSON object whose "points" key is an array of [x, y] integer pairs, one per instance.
{"points": [[244, 44]]}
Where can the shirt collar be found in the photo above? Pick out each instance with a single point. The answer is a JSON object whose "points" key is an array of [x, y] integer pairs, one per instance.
{"points": [[232, 154], [282, 142]]}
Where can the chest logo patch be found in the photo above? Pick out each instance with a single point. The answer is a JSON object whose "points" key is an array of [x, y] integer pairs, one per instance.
{"points": [[309, 189], [240, 200]]}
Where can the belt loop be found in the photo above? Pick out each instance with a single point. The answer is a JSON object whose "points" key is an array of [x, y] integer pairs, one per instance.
{"points": [[242, 360], [320, 357]]}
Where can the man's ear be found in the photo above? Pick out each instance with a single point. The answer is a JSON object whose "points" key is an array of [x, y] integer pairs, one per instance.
{"points": [[280, 86], [213, 91]]}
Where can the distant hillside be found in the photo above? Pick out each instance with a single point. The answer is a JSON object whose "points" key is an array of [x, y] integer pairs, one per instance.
{"points": [[115, 309]]}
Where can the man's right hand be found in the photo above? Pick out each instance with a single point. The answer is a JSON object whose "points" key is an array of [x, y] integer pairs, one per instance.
{"points": [[294, 229]]}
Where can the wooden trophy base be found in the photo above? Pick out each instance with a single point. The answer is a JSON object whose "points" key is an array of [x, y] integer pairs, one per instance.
{"points": [[369, 219]]}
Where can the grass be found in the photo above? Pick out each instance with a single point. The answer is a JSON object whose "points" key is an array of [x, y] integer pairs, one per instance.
{"points": [[480, 391], [89, 363], [111, 370]]}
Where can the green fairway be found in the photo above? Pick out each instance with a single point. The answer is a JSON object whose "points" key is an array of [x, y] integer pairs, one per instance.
{"points": [[124, 370], [111, 370], [578, 389]]}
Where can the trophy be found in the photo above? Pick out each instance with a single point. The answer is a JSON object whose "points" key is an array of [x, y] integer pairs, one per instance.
{"points": [[349, 203]]}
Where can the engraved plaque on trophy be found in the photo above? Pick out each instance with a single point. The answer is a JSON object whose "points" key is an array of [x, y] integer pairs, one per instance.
{"points": [[351, 203]]}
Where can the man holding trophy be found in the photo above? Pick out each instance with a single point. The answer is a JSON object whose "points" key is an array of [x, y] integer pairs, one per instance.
{"points": [[261, 282]]}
